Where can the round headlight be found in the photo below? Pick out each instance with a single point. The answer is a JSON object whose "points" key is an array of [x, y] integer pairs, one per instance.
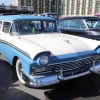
{"points": [[44, 60]]}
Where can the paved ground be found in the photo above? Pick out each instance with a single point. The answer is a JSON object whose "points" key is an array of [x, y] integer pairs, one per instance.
{"points": [[84, 88]]}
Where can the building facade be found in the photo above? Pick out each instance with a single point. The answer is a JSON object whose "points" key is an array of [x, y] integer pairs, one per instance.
{"points": [[16, 9], [41, 6], [22, 2], [63, 7], [80, 7]]}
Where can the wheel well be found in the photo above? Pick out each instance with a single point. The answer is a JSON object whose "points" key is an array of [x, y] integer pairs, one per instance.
{"points": [[14, 61]]}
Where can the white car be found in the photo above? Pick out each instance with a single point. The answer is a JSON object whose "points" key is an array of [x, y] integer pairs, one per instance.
{"points": [[41, 54]]}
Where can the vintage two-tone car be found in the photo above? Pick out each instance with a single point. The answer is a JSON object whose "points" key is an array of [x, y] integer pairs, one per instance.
{"points": [[83, 26], [41, 54]]}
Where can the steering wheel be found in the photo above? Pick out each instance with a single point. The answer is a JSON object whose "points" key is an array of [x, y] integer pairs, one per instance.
{"points": [[48, 28]]}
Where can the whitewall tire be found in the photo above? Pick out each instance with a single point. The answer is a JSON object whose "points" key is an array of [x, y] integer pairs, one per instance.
{"points": [[19, 72]]}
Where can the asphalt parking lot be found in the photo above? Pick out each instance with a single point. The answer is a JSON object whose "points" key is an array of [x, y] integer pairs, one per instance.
{"points": [[84, 88]]}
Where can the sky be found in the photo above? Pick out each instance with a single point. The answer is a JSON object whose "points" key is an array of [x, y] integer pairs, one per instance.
{"points": [[6, 2]]}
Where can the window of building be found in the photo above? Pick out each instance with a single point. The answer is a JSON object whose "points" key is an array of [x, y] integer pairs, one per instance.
{"points": [[22, 2]]}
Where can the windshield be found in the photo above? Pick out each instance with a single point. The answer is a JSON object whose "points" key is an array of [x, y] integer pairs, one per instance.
{"points": [[93, 23], [34, 27]]}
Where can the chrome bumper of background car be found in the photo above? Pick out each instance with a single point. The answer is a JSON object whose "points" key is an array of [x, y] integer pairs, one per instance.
{"points": [[49, 79]]}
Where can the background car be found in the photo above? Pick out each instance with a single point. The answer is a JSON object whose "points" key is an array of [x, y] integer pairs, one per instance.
{"points": [[88, 27], [53, 15]]}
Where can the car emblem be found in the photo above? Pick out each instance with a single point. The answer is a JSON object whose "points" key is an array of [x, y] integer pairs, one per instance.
{"points": [[67, 41]]}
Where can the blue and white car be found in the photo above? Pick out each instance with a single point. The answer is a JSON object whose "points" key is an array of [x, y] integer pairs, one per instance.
{"points": [[41, 54]]}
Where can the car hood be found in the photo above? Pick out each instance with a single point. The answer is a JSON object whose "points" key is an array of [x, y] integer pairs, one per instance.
{"points": [[61, 44]]}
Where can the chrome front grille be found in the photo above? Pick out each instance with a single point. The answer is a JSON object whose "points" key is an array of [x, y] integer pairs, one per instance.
{"points": [[73, 67]]}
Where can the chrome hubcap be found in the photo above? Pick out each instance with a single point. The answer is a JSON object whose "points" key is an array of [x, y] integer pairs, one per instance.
{"points": [[20, 70]]}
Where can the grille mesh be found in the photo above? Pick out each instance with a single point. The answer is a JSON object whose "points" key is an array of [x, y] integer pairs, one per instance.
{"points": [[74, 67]]}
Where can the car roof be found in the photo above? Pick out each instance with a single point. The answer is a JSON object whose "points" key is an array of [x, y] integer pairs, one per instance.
{"points": [[79, 17], [25, 17]]}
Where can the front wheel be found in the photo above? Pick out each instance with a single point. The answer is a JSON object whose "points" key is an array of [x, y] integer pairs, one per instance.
{"points": [[19, 71]]}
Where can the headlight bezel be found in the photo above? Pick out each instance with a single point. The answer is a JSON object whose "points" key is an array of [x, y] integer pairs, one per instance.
{"points": [[44, 60]]}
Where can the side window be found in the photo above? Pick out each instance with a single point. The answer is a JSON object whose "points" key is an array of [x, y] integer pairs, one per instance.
{"points": [[63, 23], [6, 27], [0, 24], [75, 24]]}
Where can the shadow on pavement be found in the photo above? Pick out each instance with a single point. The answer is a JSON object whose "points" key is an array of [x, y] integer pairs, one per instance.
{"points": [[15, 94], [84, 87], [8, 89]]}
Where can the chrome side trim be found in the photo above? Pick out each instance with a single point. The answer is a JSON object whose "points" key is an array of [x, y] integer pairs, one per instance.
{"points": [[15, 47]]}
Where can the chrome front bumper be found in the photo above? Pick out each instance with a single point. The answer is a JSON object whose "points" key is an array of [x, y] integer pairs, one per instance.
{"points": [[52, 78], [95, 68]]}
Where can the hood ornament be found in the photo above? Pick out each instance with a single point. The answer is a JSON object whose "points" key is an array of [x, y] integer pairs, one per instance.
{"points": [[67, 41]]}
